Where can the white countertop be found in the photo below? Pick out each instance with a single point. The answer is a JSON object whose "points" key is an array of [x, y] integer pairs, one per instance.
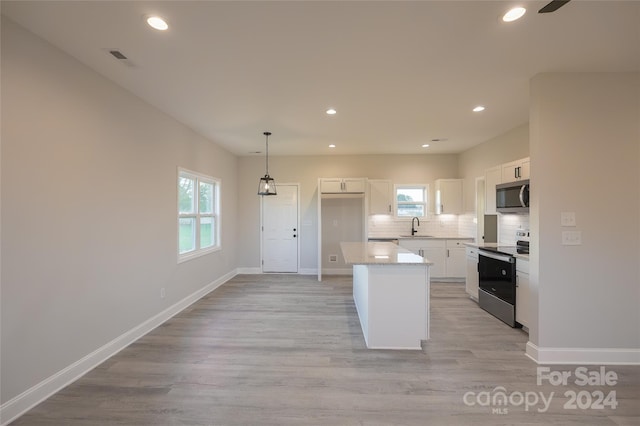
{"points": [[420, 237], [481, 245], [380, 253]]}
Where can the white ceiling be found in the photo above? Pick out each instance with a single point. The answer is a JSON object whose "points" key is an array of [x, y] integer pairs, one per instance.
{"points": [[399, 73]]}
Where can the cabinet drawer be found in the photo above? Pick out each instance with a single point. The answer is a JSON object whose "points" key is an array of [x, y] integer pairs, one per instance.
{"points": [[457, 243], [522, 266], [472, 252], [432, 243]]}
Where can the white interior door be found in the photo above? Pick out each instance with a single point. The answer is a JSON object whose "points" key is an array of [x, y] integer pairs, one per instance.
{"points": [[280, 230]]}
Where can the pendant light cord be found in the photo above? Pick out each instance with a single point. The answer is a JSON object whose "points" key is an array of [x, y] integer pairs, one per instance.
{"points": [[267, 157]]}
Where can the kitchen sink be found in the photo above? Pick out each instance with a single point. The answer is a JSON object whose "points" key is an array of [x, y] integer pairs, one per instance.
{"points": [[416, 236]]}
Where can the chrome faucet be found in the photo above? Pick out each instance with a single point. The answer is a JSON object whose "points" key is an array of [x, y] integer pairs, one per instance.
{"points": [[413, 229]]}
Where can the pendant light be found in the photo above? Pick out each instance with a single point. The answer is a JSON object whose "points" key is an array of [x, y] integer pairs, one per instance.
{"points": [[267, 186]]}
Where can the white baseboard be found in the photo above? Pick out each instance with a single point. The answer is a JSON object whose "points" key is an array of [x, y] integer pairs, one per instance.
{"points": [[20, 404], [583, 356], [249, 271], [337, 271], [254, 271]]}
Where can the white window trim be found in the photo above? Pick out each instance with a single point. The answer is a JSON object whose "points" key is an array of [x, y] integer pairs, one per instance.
{"points": [[217, 183], [424, 187]]}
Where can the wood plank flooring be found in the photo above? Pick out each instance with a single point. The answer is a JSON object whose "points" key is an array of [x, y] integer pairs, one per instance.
{"points": [[288, 350]]}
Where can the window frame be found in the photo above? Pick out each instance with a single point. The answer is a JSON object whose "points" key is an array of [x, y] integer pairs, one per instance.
{"points": [[425, 189], [197, 215]]}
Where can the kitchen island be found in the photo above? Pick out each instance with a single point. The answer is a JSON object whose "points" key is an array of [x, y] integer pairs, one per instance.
{"points": [[391, 294]]}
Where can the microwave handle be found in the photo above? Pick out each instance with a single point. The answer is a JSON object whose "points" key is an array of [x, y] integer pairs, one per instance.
{"points": [[522, 188]]}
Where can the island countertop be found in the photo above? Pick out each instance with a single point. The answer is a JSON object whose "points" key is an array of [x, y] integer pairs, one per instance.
{"points": [[380, 253]]}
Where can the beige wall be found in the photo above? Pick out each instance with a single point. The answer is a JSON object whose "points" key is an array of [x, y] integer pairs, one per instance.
{"points": [[585, 143], [472, 163], [306, 171], [89, 233]]}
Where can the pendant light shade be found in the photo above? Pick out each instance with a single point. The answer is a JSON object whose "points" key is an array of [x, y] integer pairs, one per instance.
{"points": [[267, 186]]}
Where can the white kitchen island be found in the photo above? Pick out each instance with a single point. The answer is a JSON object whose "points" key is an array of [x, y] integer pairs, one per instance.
{"points": [[391, 294]]}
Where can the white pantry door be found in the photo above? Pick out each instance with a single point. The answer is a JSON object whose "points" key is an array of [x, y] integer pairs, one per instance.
{"points": [[280, 230]]}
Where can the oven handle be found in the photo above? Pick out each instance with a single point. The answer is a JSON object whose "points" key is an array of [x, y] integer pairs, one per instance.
{"points": [[503, 257]]}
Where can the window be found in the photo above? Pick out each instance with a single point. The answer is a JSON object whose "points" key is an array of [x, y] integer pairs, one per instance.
{"points": [[411, 200], [198, 214]]}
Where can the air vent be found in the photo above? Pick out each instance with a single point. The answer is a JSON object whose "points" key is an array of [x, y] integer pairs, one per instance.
{"points": [[121, 57], [117, 54]]}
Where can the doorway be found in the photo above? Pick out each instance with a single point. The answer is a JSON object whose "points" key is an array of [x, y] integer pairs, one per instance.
{"points": [[280, 236]]}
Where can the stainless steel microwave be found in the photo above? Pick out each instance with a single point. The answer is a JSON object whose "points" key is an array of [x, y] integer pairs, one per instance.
{"points": [[513, 197]]}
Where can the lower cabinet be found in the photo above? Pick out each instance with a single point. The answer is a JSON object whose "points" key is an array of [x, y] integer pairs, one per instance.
{"points": [[472, 281], [448, 256], [523, 293]]}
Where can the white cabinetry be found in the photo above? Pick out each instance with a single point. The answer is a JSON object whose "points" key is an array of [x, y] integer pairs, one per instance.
{"points": [[342, 185], [523, 293], [448, 256], [380, 197], [473, 279], [515, 170], [456, 259], [448, 196]]}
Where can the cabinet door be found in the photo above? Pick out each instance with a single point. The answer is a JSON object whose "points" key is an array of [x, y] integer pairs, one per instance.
{"points": [[380, 197], [353, 185], [523, 299], [438, 256], [413, 245], [492, 177], [448, 196], [510, 171], [330, 186], [471, 284], [523, 293], [524, 169], [456, 262]]}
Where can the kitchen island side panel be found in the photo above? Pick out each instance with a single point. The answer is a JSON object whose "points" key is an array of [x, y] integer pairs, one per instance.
{"points": [[396, 315]]}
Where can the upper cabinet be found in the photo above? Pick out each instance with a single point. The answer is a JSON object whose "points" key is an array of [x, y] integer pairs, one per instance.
{"points": [[448, 196], [380, 196], [515, 170], [507, 172], [342, 185]]}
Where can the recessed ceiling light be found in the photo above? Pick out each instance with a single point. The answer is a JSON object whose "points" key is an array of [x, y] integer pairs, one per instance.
{"points": [[514, 14], [479, 108], [426, 145], [157, 23], [332, 146], [331, 111]]}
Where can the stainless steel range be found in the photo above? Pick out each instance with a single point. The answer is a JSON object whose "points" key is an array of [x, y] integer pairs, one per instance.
{"points": [[497, 274]]}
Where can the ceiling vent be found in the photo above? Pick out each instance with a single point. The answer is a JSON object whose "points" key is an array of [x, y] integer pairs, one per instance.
{"points": [[121, 57]]}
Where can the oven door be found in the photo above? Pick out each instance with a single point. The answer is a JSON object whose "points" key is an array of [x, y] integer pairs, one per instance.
{"points": [[497, 275]]}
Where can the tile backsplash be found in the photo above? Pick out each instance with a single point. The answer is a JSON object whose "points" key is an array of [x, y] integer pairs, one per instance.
{"points": [[383, 226], [464, 225], [508, 224]]}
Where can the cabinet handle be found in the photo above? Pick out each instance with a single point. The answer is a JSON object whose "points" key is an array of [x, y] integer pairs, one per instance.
{"points": [[389, 208], [447, 252]]}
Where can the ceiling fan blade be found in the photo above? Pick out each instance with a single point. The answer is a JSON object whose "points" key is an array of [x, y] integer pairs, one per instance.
{"points": [[553, 6]]}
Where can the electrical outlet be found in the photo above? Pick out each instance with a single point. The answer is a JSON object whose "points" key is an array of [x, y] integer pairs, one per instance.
{"points": [[162, 293], [333, 258]]}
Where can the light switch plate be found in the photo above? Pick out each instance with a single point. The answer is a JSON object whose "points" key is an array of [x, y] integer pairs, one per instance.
{"points": [[571, 238], [568, 219]]}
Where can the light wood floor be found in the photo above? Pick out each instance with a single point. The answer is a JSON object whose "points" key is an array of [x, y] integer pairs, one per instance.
{"points": [[288, 350]]}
